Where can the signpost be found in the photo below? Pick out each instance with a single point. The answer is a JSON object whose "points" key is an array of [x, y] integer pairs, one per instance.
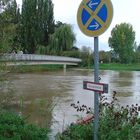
{"points": [[94, 17]]}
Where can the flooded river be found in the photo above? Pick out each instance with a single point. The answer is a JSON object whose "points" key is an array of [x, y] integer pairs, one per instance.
{"points": [[45, 98]]}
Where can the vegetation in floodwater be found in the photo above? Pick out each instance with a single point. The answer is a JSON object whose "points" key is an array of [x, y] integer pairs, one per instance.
{"points": [[115, 123]]}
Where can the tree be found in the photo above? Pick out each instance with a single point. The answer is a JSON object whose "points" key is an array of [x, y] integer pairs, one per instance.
{"points": [[122, 42], [86, 54], [9, 23], [58, 24], [62, 40], [45, 20], [29, 25], [37, 23], [137, 54], [50, 21], [104, 56], [138, 48]]}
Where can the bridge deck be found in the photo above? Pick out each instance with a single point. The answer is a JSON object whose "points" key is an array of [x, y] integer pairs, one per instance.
{"points": [[29, 59]]}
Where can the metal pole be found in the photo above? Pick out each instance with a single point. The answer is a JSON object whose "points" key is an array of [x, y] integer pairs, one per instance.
{"points": [[96, 94]]}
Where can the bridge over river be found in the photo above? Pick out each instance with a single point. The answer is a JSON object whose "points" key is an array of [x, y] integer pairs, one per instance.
{"points": [[34, 59]]}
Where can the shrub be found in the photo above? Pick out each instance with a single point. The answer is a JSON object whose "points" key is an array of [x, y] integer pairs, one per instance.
{"points": [[77, 132], [13, 127], [116, 122]]}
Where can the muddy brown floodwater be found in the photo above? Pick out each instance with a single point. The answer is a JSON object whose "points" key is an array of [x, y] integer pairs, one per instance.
{"points": [[45, 98]]}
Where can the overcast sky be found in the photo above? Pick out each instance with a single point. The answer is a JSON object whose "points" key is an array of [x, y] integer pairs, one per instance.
{"points": [[124, 11]]}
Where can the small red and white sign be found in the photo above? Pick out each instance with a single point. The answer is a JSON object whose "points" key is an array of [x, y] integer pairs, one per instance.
{"points": [[98, 87]]}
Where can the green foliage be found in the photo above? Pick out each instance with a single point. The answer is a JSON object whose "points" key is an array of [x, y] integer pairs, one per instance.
{"points": [[41, 49], [75, 54], [62, 40], [86, 55], [33, 28], [104, 56], [118, 66], [14, 127], [37, 23], [77, 132], [34, 68], [9, 25], [137, 54], [136, 57], [29, 25], [115, 122], [138, 48], [122, 42]]}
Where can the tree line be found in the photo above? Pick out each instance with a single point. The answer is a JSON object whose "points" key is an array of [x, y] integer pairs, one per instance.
{"points": [[33, 29], [123, 44]]}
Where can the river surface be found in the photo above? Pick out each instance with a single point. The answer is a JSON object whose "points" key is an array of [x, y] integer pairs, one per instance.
{"points": [[45, 98]]}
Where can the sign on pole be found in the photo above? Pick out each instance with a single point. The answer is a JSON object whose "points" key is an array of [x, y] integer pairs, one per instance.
{"points": [[94, 17], [97, 87]]}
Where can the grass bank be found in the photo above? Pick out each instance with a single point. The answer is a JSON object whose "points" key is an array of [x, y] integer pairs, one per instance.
{"points": [[41, 68], [34, 68], [117, 66]]}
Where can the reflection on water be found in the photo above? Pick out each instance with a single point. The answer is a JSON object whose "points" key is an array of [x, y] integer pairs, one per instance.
{"points": [[123, 82], [47, 96]]}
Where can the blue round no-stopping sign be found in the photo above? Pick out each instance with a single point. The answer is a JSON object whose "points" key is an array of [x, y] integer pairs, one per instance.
{"points": [[94, 16]]}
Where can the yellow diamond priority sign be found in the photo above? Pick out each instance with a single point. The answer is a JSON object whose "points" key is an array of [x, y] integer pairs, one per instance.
{"points": [[94, 16]]}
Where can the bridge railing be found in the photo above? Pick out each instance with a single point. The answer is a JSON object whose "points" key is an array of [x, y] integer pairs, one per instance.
{"points": [[35, 57]]}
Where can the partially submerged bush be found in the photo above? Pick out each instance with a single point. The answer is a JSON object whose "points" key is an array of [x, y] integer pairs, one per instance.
{"points": [[77, 132], [116, 122]]}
